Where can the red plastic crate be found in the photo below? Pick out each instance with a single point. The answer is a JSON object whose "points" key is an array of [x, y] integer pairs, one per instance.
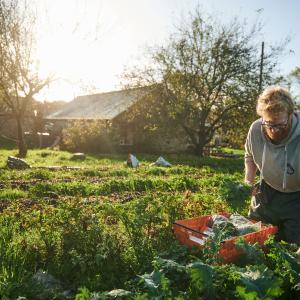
{"points": [[188, 233]]}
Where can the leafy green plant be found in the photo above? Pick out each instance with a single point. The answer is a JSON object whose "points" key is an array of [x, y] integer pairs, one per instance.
{"points": [[259, 282], [13, 273], [282, 259], [12, 194], [39, 174], [108, 230], [202, 280]]}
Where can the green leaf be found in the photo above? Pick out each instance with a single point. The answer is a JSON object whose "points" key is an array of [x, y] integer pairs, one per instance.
{"points": [[259, 281], [201, 276], [242, 292]]}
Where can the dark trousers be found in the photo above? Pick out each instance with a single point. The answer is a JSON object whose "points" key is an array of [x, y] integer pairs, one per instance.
{"points": [[282, 209]]}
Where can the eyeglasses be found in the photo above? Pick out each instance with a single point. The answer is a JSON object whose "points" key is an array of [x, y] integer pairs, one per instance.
{"points": [[275, 126]]}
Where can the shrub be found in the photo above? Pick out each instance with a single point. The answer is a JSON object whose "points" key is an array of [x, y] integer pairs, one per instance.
{"points": [[91, 136]]}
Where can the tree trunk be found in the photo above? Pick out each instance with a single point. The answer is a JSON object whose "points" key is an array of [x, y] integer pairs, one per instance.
{"points": [[199, 149], [21, 140]]}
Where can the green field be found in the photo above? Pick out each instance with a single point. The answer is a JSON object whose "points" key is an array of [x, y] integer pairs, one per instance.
{"points": [[103, 231]]}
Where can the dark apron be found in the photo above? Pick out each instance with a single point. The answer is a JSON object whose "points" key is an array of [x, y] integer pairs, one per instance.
{"points": [[281, 209]]}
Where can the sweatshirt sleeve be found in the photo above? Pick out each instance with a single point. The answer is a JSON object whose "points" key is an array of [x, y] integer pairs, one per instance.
{"points": [[248, 146]]}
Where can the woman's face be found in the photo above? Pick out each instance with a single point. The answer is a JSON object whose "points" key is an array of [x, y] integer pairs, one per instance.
{"points": [[276, 126]]}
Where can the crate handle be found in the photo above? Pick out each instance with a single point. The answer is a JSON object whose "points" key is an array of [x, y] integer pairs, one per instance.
{"points": [[197, 240]]}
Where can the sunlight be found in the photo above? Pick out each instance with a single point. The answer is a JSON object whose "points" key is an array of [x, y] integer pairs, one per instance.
{"points": [[82, 51], [90, 42]]}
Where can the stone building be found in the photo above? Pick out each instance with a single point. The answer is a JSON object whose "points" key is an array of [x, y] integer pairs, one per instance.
{"points": [[113, 107]]}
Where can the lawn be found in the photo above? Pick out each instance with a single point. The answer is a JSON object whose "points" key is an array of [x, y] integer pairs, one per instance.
{"points": [[104, 231]]}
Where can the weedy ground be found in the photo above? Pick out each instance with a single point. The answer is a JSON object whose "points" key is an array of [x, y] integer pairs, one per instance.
{"points": [[103, 230]]}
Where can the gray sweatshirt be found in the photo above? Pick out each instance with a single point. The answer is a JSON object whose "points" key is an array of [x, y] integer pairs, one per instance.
{"points": [[278, 164]]}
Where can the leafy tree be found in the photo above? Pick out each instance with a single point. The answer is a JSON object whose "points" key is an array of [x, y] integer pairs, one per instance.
{"points": [[294, 77], [19, 80], [296, 74], [206, 78]]}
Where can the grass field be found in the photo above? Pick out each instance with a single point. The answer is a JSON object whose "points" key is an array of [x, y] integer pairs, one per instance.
{"points": [[103, 231]]}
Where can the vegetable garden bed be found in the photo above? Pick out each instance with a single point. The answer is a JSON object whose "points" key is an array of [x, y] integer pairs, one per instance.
{"points": [[67, 235]]}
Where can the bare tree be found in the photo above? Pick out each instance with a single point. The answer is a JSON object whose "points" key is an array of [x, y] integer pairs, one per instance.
{"points": [[19, 78]]}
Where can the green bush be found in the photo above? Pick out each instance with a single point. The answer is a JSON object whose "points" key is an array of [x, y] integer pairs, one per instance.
{"points": [[91, 136]]}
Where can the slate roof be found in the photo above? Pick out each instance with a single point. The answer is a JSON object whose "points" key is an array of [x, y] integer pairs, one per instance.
{"points": [[104, 106]]}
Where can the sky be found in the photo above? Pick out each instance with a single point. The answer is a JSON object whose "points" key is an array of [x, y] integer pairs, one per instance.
{"points": [[86, 44]]}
